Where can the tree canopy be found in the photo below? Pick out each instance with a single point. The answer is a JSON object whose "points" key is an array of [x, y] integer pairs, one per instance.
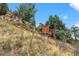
{"points": [[26, 11], [55, 20], [3, 8]]}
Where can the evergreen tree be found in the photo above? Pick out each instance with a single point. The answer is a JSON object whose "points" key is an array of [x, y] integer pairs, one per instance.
{"points": [[21, 10], [26, 12], [3, 8], [54, 21]]}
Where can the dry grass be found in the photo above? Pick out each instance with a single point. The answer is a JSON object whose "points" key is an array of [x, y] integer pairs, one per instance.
{"points": [[24, 42]]}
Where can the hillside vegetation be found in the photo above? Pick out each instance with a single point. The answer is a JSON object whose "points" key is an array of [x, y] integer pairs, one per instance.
{"points": [[16, 40], [19, 35]]}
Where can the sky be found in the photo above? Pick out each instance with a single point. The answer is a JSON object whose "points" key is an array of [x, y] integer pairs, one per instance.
{"points": [[68, 12]]}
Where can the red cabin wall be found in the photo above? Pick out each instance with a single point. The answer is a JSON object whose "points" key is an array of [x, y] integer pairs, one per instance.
{"points": [[46, 30]]}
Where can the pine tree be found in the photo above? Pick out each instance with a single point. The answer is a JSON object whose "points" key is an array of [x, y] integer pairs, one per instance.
{"points": [[26, 12], [3, 8], [56, 23], [55, 20]]}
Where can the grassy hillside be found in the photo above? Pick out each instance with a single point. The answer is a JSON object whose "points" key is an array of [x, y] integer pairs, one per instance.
{"points": [[15, 40]]}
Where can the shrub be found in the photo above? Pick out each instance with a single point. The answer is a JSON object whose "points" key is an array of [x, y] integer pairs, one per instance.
{"points": [[60, 35], [7, 47]]}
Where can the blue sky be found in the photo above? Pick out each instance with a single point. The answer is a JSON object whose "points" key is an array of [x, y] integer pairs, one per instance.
{"points": [[68, 13]]}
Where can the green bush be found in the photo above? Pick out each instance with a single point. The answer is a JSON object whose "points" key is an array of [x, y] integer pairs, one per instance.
{"points": [[7, 47], [60, 35]]}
